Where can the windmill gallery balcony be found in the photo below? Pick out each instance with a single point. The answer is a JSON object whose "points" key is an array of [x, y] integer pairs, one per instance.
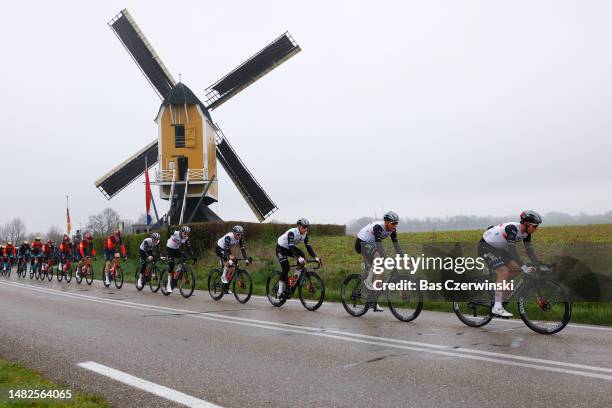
{"points": [[195, 176]]}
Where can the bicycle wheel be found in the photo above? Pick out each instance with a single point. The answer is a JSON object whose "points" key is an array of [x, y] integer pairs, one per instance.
{"points": [[474, 309], [406, 305], [32, 271], [272, 289], [37, 272], [354, 295], [242, 286], [118, 277], [60, 274], [137, 274], [186, 282], [164, 283], [50, 273], [545, 306], [215, 286], [311, 290], [154, 279], [89, 274], [79, 275], [69, 273]]}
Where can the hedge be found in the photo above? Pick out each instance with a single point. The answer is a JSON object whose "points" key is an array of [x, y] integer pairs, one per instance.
{"points": [[204, 235]]}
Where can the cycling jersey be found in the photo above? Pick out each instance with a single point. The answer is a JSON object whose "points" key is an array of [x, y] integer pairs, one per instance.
{"points": [[66, 248], [86, 248], [291, 238], [503, 238], [147, 246], [36, 247], [374, 233], [48, 249], [111, 243], [175, 241], [9, 250], [225, 244], [23, 250]]}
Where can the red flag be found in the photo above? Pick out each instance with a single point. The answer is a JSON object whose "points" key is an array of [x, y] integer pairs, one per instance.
{"points": [[148, 195], [68, 226]]}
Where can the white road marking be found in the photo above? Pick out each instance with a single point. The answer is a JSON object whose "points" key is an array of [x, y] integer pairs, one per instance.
{"points": [[500, 358], [148, 386]]}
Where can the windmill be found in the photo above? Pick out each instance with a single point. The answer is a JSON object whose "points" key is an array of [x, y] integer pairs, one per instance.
{"points": [[189, 143]]}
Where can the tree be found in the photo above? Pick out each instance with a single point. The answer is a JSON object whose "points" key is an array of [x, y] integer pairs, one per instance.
{"points": [[103, 223], [55, 233], [14, 230]]}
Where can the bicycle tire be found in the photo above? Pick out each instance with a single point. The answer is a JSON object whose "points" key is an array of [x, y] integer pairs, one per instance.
{"points": [[78, 275], [479, 305], [154, 279], [352, 291], [69, 274], [186, 282], [242, 280], [50, 274], [215, 287], [401, 307], [118, 277], [564, 310], [89, 274], [308, 284], [272, 289]]}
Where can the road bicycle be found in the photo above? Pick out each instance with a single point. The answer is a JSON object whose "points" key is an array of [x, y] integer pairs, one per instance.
{"points": [[309, 285], [35, 266], [7, 266], [114, 274], [64, 269], [404, 304], [85, 270], [46, 269], [151, 276], [183, 277], [240, 281], [543, 304], [22, 266]]}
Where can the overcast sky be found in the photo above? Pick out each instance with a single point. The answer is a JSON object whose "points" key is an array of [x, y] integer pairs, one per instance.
{"points": [[428, 108]]}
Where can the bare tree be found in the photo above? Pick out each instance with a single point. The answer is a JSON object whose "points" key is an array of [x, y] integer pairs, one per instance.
{"points": [[142, 219], [55, 233], [13, 230], [104, 222]]}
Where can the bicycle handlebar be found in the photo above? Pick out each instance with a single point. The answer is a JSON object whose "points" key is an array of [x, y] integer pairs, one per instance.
{"points": [[308, 261]]}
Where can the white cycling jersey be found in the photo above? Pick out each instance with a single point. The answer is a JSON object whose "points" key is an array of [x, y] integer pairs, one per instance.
{"points": [[147, 245], [175, 241], [500, 235], [366, 234], [283, 240], [232, 241]]}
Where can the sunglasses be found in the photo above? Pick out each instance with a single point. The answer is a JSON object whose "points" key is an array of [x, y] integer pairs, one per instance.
{"points": [[534, 225]]}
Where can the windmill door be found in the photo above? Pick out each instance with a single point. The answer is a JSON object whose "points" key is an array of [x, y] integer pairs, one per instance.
{"points": [[183, 166]]}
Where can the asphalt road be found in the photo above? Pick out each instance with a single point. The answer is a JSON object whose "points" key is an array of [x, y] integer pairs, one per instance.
{"points": [[235, 355]]}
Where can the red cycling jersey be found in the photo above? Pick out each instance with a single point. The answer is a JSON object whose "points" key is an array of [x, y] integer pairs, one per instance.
{"points": [[111, 242], [9, 250], [48, 249], [36, 247], [66, 248], [84, 246]]}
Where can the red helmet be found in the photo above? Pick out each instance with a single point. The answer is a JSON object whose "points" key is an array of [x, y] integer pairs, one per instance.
{"points": [[88, 236], [66, 238], [117, 233], [50, 242]]}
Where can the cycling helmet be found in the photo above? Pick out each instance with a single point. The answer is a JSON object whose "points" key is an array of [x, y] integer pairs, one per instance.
{"points": [[9, 243], [37, 239], [155, 236], [50, 242], [66, 238], [25, 243], [238, 229], [303, 222], [88, 236], [531, 217], [391, 216], [117, 233], [185, 229]]}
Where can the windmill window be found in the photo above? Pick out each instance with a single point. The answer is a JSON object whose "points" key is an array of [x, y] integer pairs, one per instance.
{"points": [[179, 135]]}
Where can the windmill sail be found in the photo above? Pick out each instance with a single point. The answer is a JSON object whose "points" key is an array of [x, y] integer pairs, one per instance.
{"points": [[274, 54], [251, 190], [142, 52], [124, 174]]}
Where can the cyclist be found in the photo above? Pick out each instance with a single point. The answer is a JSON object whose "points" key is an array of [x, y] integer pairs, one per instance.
{"points": [[35, 250], [48, 250], [173, 248], [232, 239], [112, 246], [9, 253], [498, 248], [65, 252], [369, 244], [76, 245], [147, 246], [85, 250], [287, 247], [23, 252]]}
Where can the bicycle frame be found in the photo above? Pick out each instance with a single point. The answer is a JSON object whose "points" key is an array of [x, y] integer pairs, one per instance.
{"points": [[293, 288]]}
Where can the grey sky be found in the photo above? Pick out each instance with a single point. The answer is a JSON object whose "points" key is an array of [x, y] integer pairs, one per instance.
{"points": [[430, 108]]}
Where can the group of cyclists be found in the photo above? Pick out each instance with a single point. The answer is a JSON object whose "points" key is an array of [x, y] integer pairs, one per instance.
{"points": [[497, 247]]}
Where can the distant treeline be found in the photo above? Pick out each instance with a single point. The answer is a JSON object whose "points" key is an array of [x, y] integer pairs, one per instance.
{"points": [[466, 222]]}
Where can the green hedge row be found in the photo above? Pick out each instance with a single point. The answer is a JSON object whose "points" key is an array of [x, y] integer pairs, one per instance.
{"points": [[204, 235]]}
